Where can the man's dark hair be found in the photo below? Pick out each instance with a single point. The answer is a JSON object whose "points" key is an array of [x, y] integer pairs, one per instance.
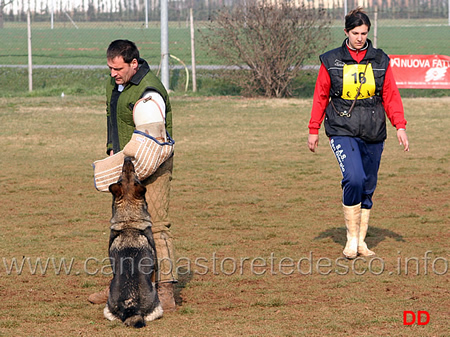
{"points": [[356, 18], [125, 48]]}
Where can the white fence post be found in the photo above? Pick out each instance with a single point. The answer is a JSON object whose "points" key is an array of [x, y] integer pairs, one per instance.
{"points": [[194, 72], [30, 63], [165, 44]]}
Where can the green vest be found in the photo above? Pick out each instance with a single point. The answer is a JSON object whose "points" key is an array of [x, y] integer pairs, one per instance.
{"points": [[120, 117]]}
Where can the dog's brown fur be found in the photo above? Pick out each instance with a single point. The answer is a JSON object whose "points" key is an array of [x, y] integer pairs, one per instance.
{"points": [[132, 297]]}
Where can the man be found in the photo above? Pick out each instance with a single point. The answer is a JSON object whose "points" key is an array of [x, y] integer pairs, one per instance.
{"points": [[131, 79]]}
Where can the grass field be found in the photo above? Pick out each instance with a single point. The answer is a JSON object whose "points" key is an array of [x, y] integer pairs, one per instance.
{"points": [[87, 45], [91, 82], [256, 218], [66, 45]]}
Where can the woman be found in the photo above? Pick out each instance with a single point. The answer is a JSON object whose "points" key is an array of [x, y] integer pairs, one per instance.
{"points": [[354, 92]]}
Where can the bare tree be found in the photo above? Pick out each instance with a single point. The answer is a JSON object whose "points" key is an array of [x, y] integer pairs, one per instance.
{"points": [[268, 43], [3, 4]]}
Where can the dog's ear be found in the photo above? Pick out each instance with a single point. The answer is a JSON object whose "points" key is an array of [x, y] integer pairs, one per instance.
{"points": [[140, 190], [116, 189]]}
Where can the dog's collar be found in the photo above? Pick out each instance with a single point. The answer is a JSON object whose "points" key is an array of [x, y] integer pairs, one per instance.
{"points": [[141, 224]]}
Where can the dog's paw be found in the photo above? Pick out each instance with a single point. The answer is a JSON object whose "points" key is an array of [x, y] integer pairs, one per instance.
{"points": [[156, 313], [108, 315]]}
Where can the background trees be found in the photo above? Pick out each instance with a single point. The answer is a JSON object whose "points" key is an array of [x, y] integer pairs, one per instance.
{"points": [[268, 43]]}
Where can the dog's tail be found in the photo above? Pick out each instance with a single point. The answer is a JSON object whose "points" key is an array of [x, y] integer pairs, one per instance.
{"points": [[136, 321]]}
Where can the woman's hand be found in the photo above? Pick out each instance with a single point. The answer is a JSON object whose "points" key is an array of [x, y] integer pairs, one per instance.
{"points": [[403, 139], [313, 142]]}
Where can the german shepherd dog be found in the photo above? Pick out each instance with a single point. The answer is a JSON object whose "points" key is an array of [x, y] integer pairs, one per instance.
{"points": [[132, 296]]}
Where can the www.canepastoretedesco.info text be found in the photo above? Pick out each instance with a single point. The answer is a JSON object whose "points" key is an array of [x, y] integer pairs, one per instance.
{"points": [[216, 264]]}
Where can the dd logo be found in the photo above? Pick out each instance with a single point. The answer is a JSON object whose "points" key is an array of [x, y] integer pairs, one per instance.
{"points": [[409, 317]]}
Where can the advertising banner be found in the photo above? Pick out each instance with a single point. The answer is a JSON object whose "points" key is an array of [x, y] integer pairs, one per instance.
{"points": [[421, 71]]}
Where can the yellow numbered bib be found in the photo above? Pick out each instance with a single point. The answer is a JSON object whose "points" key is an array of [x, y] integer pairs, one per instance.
{"points": [[353, 76]]}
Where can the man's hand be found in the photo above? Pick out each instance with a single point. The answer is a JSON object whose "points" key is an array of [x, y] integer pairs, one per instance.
{"points": [[403, 139], [313, 142]]}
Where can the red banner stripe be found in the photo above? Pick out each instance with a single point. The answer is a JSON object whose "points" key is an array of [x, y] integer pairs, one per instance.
{"points": [[421, 71]]}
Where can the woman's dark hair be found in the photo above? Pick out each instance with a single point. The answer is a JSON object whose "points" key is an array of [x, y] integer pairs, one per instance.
{"points": [[124, 48], [356, 18]]}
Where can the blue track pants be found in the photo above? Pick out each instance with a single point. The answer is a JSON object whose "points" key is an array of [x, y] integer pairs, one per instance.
{"points": [[359, 162]]}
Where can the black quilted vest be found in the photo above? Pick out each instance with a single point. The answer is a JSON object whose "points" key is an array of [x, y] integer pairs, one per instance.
{"points": [[368, 117]]}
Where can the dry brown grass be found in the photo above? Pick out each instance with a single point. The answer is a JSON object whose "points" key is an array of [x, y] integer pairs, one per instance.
{"points": [[245, 188]]}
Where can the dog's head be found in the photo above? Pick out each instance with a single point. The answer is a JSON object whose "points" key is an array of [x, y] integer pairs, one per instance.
{"points": [[128, 196]]}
